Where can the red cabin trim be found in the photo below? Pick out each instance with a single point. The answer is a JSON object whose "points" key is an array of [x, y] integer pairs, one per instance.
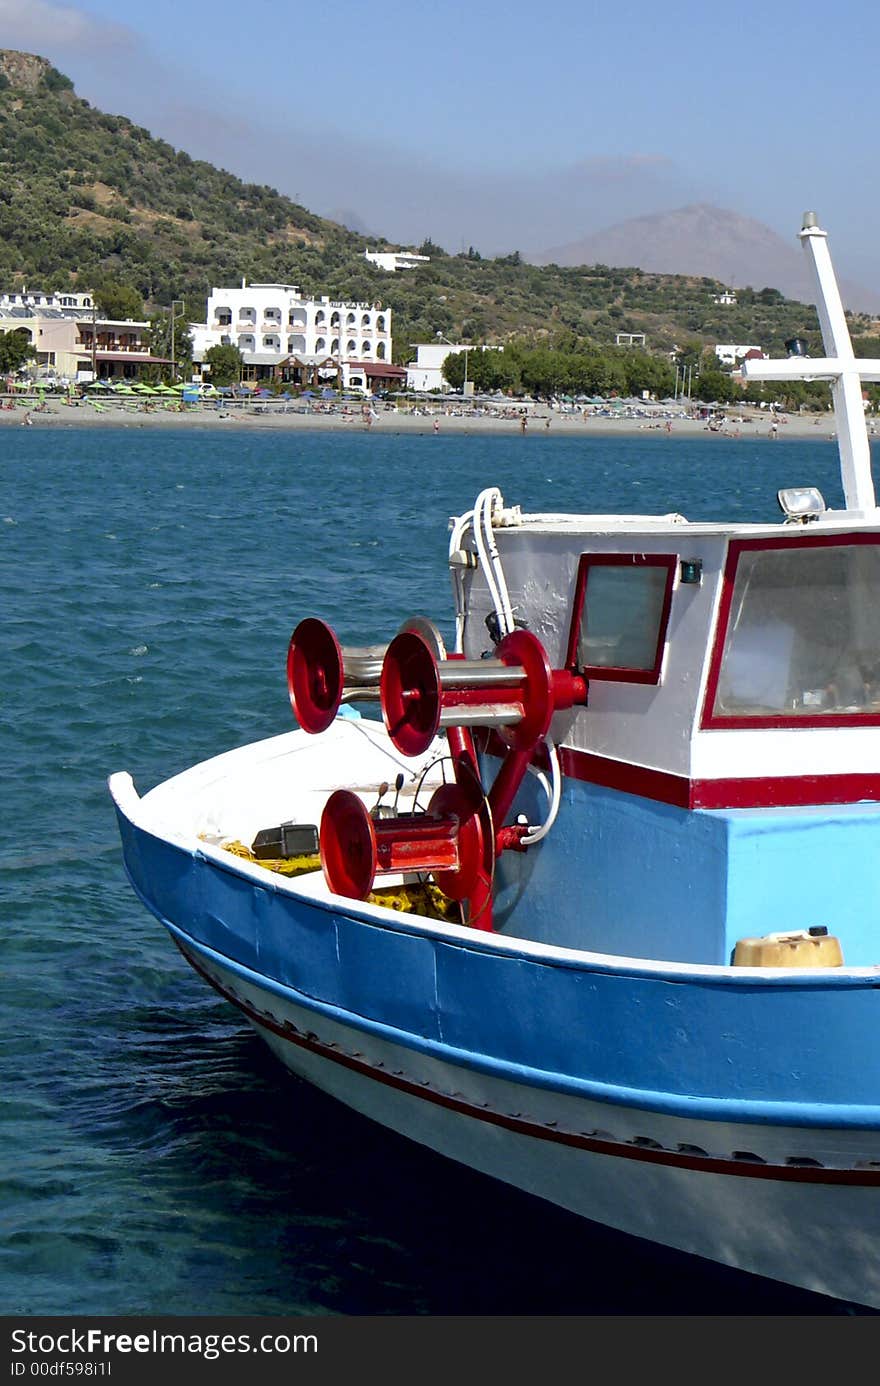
{"points": [[629, 560], [767, 791]]}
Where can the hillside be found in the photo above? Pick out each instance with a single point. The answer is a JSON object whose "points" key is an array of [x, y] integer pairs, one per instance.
{"points": [[707, 240], [87, 197]]}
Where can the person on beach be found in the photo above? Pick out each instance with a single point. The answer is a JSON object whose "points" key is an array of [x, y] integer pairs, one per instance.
{"points": [[436, 425], [523, 423], [27, 421]]}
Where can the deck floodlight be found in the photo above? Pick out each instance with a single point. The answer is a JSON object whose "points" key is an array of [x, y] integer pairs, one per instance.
{"points": [[800, 504]]}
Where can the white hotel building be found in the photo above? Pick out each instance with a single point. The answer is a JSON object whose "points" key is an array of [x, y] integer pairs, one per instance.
{"points": [[305, 341]]}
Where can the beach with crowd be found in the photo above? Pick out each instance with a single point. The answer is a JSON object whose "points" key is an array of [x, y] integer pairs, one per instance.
{"points": [[405, 415]]}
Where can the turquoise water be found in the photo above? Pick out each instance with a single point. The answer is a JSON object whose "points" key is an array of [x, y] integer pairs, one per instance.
{"points": [[154, 1156]]}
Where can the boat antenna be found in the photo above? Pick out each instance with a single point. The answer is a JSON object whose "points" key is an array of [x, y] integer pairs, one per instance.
{"points": [[839, 366]]}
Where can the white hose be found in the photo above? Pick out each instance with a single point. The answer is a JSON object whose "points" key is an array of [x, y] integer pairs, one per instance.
{"points": [[554, 794], [456, 542], [479, 520], [483, 552], [490, 559]]}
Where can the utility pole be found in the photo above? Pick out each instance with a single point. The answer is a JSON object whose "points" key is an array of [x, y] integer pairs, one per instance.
{"points": [[175, 303]]}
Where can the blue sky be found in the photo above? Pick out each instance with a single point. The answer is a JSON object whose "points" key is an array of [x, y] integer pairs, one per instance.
{"points": [[501, 125]]}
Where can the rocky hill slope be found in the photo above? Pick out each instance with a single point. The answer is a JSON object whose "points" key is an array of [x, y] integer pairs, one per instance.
{"points": [[87, 197]]}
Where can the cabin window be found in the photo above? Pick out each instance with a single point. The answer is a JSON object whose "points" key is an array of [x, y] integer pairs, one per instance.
{"points": [[799, 634], [620, 616]]}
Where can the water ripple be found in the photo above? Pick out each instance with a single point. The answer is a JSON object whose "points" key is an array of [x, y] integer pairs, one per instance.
{"points": [[155, 1158]]}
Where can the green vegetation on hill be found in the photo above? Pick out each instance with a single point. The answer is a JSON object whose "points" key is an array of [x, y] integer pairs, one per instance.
{"points": [[92, 201]]}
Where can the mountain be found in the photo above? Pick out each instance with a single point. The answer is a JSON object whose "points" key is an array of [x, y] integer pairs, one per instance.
{"points": [[89, 199], [352, 221], [708, 241]]}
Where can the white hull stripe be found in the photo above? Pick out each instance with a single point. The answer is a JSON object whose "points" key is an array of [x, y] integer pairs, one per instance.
{"points": [[797, 1170]]}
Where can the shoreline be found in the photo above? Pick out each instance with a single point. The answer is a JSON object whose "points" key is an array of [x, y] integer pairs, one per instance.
{"points": [[751, 425]]}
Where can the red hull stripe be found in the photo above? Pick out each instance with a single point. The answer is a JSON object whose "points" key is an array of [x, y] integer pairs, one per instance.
{"points": [[759, 792], [743, 1167]]}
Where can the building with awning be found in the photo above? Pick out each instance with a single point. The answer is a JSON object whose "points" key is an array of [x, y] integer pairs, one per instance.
{"points": [[302, 369], [372, 376], [79, 347]]}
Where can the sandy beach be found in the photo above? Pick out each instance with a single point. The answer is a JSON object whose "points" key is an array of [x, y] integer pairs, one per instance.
{"points": [[541, 422]]}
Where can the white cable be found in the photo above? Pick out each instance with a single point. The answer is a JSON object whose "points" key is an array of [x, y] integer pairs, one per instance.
{"points": [[503, 607], [554, 795], [456, 543], [490, 559], [479, 520], [485, 497]]}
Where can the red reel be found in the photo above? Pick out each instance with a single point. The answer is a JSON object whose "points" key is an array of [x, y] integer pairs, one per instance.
{"points": [[466, 803], [420, 693], [322, 674], [348, 845], [410, 693], [315, 674], [448, 841]]}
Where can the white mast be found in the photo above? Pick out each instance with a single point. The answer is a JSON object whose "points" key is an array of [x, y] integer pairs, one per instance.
{"points": [[840, 366]]}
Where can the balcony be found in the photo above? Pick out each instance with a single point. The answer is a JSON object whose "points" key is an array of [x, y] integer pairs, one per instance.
{"points": [[107, 344]]}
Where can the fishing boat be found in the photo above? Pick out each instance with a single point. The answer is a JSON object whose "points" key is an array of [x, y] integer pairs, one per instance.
{"points": [[589, 901]]}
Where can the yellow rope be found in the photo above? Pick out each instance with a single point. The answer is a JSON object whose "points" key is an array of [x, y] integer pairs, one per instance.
{"points": [[423, 898], [285, 866]]}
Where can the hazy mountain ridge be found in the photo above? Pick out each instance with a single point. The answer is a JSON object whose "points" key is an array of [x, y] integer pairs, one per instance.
{"points": [[87, 197], [710, 241]]}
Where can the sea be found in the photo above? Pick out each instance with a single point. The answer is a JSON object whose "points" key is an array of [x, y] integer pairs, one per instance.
{"points": [[155, 1159]]}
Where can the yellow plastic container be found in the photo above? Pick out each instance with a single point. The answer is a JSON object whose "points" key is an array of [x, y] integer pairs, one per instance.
{"points": [[796, 949]]}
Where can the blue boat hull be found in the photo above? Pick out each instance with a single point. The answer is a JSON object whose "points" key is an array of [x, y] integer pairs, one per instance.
{"points": [[637, 1095]]}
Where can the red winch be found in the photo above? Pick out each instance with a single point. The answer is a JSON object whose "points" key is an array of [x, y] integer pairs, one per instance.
{"points": [[422, 691]]}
